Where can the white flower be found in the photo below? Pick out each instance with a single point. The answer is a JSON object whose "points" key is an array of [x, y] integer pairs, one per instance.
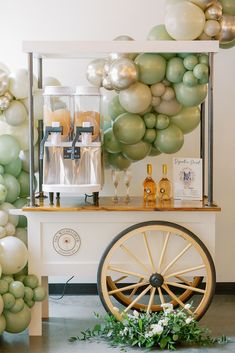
{"points": [[187, 306], [164, 321], [188, 320], [135, 313], [167, 307], [156, 329]]}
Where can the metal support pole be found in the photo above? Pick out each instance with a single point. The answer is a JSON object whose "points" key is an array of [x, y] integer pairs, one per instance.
{"points": [[202, 144], [40, 130], [31, 130], [210, 130]]}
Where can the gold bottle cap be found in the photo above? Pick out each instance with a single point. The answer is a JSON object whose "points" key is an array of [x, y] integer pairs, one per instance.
{"points": [[164, 169], [149, 169]]}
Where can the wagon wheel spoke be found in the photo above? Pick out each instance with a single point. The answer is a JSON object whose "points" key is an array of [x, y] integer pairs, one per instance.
{"points": [[176, 259], [131, 286], [148, 252], [131, 273], [163, 251], [184, 280], [134, 290], [173, 296], [179, 285], [187, 270], [120, 279], [138, 298], [161, 295], [151, 299], [131, 255]]}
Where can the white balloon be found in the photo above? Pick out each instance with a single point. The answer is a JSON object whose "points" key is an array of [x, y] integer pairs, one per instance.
{"points": [[16, 114], [21, 233], [24, 156], [37, 104], [6, 206], [19, 83], [184, 21], [10, 228], [50, 81], [3, 233], [3, 218], [13, 255]]}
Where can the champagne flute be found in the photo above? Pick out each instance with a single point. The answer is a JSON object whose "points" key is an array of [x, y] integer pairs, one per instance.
{"points": [[115, 178], [127, 181]]}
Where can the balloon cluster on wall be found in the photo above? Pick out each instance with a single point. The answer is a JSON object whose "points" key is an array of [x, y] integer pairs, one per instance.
{"points": [[201, 19]]}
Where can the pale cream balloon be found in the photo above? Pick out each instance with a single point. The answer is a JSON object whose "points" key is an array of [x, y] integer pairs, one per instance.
{"points": [[203, 4], [50, 81], [212, 28], [169, 94], [19, 83], [4, 82], [184, 21], [16, 114], [156, 101], [24, 156], [13, 255], [169, 108], [158, 89], [204, 36], [136, 98]]}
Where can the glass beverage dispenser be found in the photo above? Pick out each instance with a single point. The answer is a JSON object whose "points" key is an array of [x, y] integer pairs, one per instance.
{"points": [[71, 147]]}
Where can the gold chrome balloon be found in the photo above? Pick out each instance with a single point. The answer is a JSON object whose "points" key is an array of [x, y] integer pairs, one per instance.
{"points": [[4, 103], [106, 83], [203, 4], [116, 56], [4, 82], [214, 12], [227, 33], [123, 73], [95, 71]]}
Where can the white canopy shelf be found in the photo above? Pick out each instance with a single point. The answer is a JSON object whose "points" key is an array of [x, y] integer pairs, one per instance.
{"points": [[75, 49]]}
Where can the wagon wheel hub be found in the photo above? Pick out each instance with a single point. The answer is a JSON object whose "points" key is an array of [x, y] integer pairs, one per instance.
{"points": [[156, 280]]}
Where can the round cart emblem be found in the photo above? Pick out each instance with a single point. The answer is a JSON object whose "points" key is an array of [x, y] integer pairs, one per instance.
{"points": [[66, 242]]}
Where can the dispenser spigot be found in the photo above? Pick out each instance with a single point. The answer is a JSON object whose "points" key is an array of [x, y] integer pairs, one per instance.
{"points": [[48, 131], [80, 130]]}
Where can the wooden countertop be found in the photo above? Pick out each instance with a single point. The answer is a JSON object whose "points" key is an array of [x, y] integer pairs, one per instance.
{"points": [[107, 204]]}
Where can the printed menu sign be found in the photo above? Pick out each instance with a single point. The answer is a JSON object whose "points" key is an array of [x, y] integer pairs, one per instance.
{"points": [[187, 178]]}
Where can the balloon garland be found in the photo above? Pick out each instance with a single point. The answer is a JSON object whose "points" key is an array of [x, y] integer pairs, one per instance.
{"points": [[158, 95]]}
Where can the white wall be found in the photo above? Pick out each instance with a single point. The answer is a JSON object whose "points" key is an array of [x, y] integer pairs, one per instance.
{"points": [[104, 20]]}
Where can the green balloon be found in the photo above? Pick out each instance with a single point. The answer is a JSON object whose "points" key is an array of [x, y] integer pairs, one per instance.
{"points": [[31, 281], [28, 293], [8, 278], [2, 170], [204, 59], [3, 193], [162, 122], [183, 55], [190, 61], [17, 289], [175, 70], [201, 72], [23, 179], [150, 135], [19, 203], [129, 128], [118, 161], [227, 45], [137, 151], [30, 303], [17, 322], [189, 79], [9, 300], [3, 286], [187, 119], [228, 7], [169, 140], [2, 323], [18, 306], [114, 108], [154, 151], [14, 168], [190, 96], [150, 120], [13, 187], [151, 67], [39, 294], [159, 32], [111, 144], [9, 149]]}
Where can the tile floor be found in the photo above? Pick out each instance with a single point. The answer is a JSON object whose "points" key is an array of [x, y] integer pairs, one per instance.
{"points": [[72, 314]]}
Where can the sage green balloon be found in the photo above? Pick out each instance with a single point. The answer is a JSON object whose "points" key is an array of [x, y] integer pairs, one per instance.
{"points": [[9, 149], [189, 79], [18, 306], [187, 119], [2, 323], [162, 122], [150, 120], [118, 161], [190, 96], [3, 286], [159, 32], [28, 293], [129, 128], [14, 168], [19, 203], [190, 61], [183, 55], [31, 281], [169, 140], [175, 70], [228, 45], [39, 294], [136, 98], [111, 144], [2, 170], [9, 300], [150, 135], [204, 59], [137, 151], [16, 288], [23, 179], [201, 72], [17, 322], [228, 7], [151, 67], [3, 193], [114, 108], [13, 188], [154, 151]]}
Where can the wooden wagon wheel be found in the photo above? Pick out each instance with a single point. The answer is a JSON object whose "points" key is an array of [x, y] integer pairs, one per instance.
{"points": [[147, 265]]}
